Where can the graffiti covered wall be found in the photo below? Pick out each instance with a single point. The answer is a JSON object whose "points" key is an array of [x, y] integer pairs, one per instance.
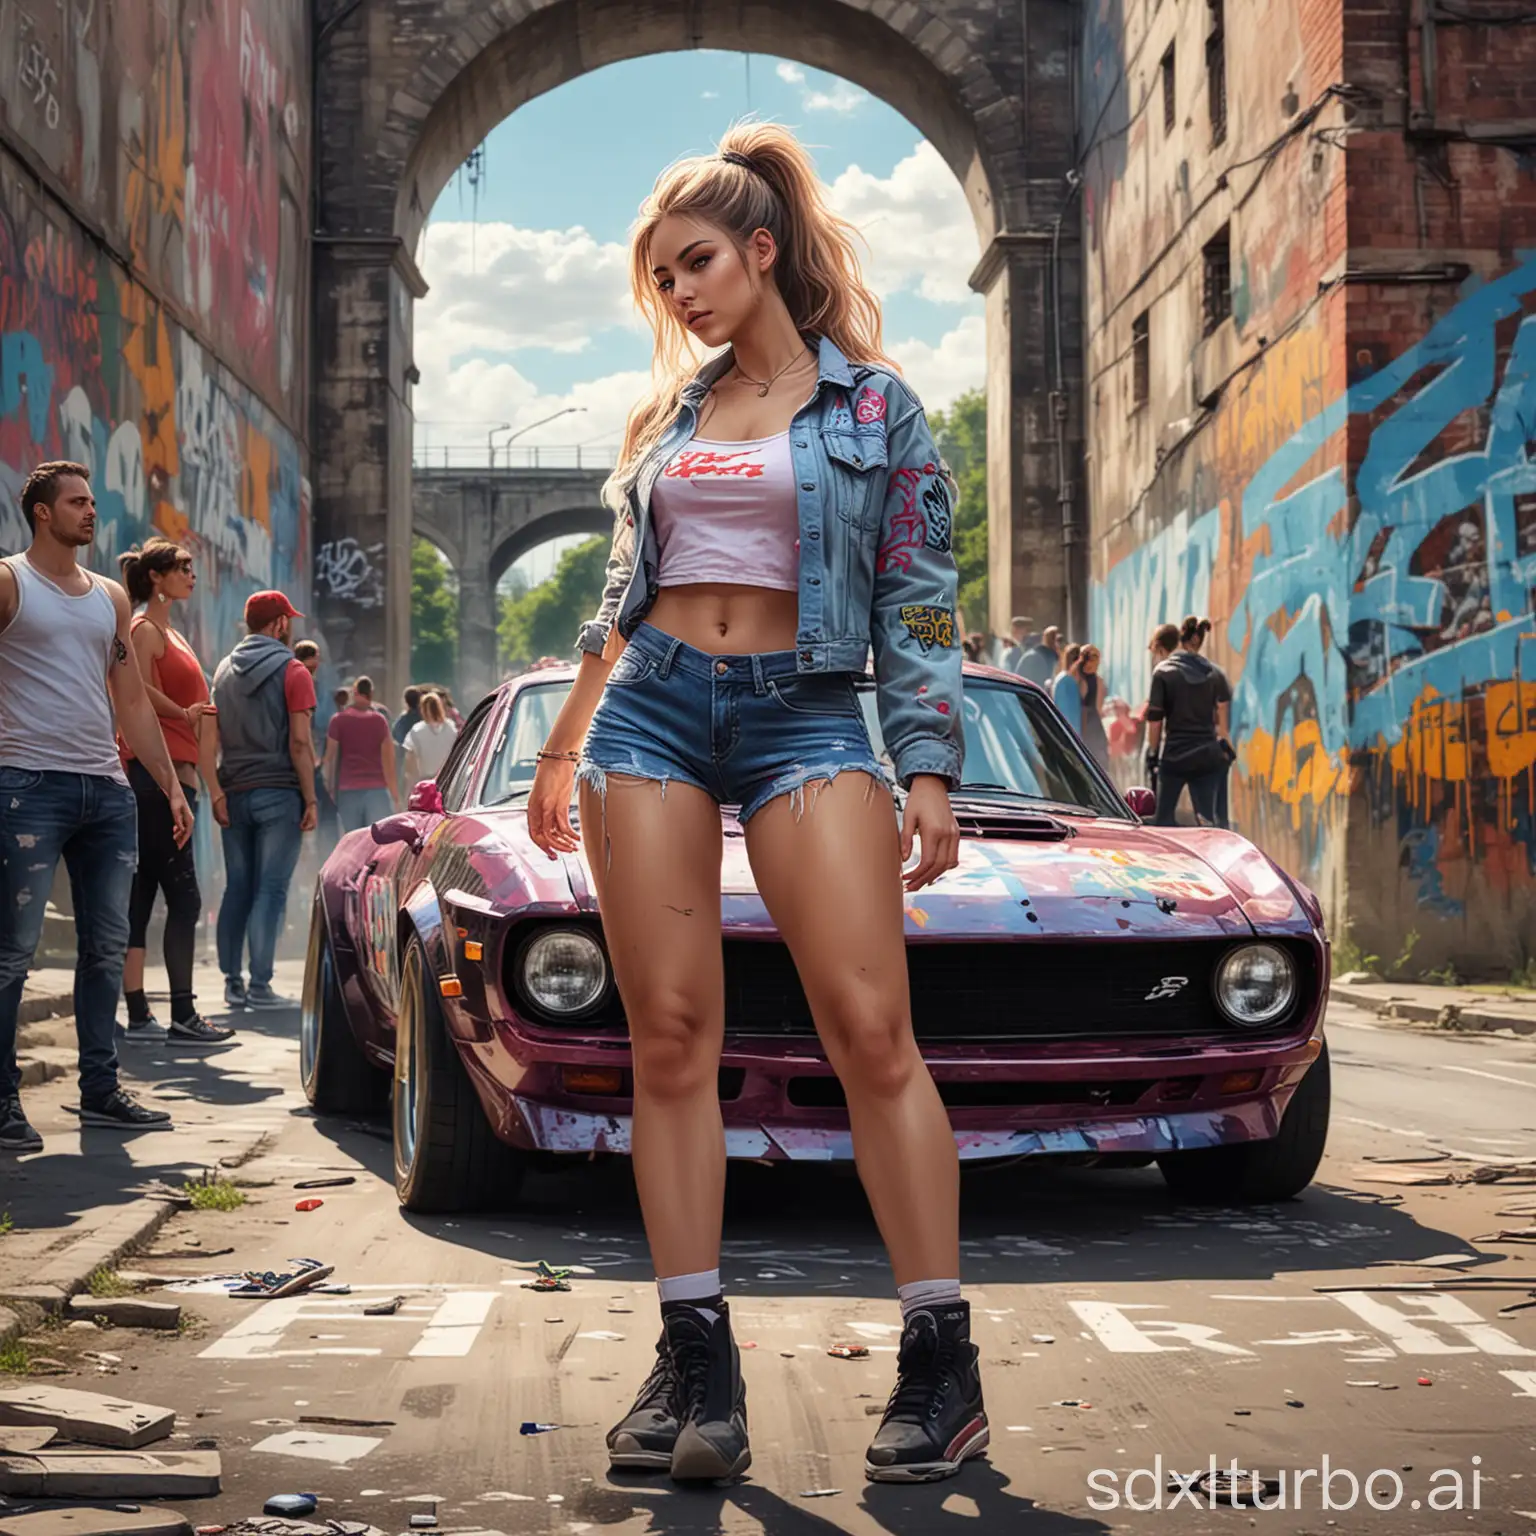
{"points": [[153, 182], [1338, 468]]}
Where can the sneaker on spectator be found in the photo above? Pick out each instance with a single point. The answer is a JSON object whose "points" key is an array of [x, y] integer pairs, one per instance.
{"points": [[16, 1135], [235, 995], [261, 995], [121, 1109], [198, 1031]]}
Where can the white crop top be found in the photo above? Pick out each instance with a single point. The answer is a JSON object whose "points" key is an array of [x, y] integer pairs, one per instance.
{"points": [[728, 512]]}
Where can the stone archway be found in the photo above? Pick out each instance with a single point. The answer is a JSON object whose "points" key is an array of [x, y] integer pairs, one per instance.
{"points": [[408, 87]]}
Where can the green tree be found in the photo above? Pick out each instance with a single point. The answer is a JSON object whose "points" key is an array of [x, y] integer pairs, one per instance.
{"points": [[544, 621], [961, 435], [434, 614]]}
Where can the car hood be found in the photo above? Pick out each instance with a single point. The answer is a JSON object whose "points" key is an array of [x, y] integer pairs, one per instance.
{"points": [[1108, 879]]}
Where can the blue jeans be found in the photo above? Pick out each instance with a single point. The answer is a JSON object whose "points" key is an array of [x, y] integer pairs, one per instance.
{"points": [[362, 807], [261, 848], [744, 729], [92, 823]]}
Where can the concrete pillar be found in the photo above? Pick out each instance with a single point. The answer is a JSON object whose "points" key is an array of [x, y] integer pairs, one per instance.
{"points": [[362, 454], [478, 672], [1034, 529]]}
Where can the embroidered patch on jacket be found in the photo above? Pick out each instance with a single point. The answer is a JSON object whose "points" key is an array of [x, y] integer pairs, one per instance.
{"points": [[908, 530], [870, 407], [929, 626], [937, 504]]}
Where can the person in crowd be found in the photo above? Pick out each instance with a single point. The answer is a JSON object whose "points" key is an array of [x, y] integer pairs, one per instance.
{"points": [[974, 646], [721, 667], [265, 698], [360, 761], [159, 574], [307, 654], [430, 740], [66, 666], [1039, 662], [1187, 732], [1066, 689], [1013, 653], [409, 717], [449, 708], [1196, 643], [1091, 691]]}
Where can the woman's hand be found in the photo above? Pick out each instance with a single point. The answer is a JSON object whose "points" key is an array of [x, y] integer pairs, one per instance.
{"points": [[549, 807], [195, 712], [930, 822]]}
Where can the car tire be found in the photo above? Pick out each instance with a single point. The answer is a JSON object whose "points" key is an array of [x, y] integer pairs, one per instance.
{"points": [[447, 1157], [1258, 1171], [337, 1078]]}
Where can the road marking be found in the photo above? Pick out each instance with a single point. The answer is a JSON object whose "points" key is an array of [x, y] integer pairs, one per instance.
{"points": [[449, 1321], [1125, 1335], [455, 1325], [1401, 1320], [338, 1450], [1525, 1380], [1519, 1082]]}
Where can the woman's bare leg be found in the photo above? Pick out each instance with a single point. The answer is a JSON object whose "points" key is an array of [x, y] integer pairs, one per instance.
{"points": [[655, 856], [828, 865]]}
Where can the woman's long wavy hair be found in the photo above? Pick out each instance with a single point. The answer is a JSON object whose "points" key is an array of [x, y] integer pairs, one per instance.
{"points": [[817, 270]]}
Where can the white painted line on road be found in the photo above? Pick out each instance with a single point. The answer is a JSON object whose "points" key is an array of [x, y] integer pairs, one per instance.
{"points": [[455, 1325], [1525, 1380], [336, 1449], [1519, 1082]]}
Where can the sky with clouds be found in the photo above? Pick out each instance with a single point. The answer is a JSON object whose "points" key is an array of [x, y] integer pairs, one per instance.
{"points": [[529, 313]]}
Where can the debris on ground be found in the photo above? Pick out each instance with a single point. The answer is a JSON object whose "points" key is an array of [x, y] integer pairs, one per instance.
{"points": [[849, 1352], [1424, 1381], [819, 1493], [1042, 1338], [312, 1204], [1294, 1402], [129, 1520], [1509, 1235], [86, 1416], [1069, 1402], [1221, 1485], [385, 1308], [529, 1427], [423, 1522], [1383, 1173], [340, 1423], [333, 1183], [291, 1504], [102, 1474], [300, 1275], [128, 1311], [547, 1277], [188, 1253]]}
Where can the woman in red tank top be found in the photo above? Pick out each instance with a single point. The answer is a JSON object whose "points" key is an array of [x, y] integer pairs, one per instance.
{"points": [[158, 575]]}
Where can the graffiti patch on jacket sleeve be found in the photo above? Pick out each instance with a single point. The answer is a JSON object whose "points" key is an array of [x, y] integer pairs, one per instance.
{"points": [[870, 407], [936, 503], [929, 626], [907, 528]]}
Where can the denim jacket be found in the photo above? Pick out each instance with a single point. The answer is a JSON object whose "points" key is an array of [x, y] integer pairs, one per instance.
{"points": [[875, 511]]}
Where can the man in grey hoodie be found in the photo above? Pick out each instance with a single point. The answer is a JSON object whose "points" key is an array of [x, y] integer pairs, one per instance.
{"points": [[265, 698]]}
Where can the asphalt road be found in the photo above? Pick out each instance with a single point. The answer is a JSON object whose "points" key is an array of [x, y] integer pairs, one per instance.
{"points": [[1185, 1332]]}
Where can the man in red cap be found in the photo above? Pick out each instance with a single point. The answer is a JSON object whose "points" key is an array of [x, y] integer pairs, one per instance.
{"points": [[265, 699]]}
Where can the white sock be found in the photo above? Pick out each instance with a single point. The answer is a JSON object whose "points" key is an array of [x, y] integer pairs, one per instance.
{"points": [[917, 1294], [702, 1286]]}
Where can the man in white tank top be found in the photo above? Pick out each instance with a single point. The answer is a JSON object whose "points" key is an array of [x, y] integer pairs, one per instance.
{"points": [[65, 666]]}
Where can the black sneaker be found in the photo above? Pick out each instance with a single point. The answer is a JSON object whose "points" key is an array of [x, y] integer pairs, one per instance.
{"points": [[642, 1440], [935, 1418], [198, 1031], [124, 1111], [142, 1030], [711, 1396], [260, 995], [235, 995], [16, 1135]]}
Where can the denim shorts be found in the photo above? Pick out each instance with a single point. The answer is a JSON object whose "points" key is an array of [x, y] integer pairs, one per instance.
{"points": [[744, 729]]}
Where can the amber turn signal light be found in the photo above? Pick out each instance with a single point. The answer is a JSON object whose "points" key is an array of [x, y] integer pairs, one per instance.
{"points": [[1240, 1082], [451, 986], [606, 1082], [473, 949]]}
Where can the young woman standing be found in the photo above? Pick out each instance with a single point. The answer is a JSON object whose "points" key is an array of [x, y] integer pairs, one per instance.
{"points": [[1187, 726], [779, 510], [428, 742], [159, 574]]}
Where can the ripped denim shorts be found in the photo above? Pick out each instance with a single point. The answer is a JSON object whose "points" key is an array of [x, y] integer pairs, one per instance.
{"points": [[744, 729]]}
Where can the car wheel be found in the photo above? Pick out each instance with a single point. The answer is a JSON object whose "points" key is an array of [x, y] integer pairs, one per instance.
{"points": [[447, 1157], [1258, 1171], [337, 1078]]}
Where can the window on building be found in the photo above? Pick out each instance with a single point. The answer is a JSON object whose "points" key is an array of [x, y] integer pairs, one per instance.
{"points": [[1168, 90], [1218, 278], [1141, 361], [1216, 71]]}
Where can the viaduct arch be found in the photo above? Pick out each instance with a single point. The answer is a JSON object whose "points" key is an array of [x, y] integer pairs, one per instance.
{"points": [[406, 88], [483, 520]]}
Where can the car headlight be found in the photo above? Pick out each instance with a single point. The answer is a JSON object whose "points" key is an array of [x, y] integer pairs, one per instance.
{"points": [[565, 970], [1256, 984]]}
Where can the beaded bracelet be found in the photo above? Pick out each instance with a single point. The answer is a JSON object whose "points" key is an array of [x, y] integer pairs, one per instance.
{"points": [[558, 757]]}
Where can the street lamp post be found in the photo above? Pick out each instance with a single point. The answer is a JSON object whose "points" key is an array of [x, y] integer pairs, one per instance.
{"points": [[569, 410]]}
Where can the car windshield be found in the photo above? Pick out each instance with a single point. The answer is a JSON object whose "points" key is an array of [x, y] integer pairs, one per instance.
{"points": [[1016, 747]]}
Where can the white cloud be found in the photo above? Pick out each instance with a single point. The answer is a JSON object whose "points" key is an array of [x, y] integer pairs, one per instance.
{"points": [[917, 224], [710, 95], [841, 98], [942, 370]]}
